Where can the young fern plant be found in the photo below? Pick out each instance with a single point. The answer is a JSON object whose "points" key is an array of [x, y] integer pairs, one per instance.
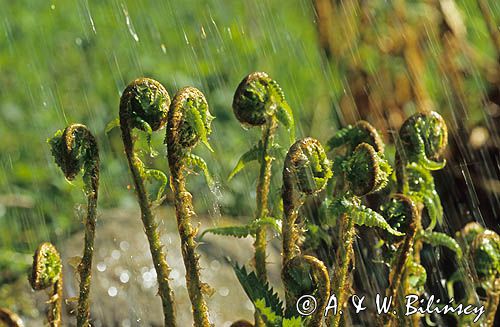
{"points": [[144, 105], [259, 101], [188, 123], [422, 141], [10, 319], [75, 149], [360, 169], [306, 172], [47, 273]]}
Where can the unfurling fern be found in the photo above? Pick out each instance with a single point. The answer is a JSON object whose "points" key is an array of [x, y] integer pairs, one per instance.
{"points": [[144, 106], [75, 149], [47, 273], [188, 124], [361, 169]]}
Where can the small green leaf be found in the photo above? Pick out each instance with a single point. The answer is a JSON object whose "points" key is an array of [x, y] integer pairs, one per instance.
{"points": [[285, 116], [441, 239], [363, 216], [112, 124], [159, 176], [270, 317], [235, 231], [272, 222], [417, 275], [197, 161], [340, 138], [245, 230], [196, 121], [249, 156], [367, 217], [145, 127], [256, 289]]}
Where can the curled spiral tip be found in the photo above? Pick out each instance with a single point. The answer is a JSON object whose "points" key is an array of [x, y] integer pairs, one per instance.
{"points": [[259, 97], [352, 136], [305, 274], [189, 118], [424, 137], [307, 166], [47, 267], [400, 212], [470, 231], [74, 149], [144, 100], [369, 134], [486, 255], [250, 98], [366, 171]]}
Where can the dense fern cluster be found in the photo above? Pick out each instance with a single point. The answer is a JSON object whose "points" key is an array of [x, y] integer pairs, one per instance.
{"points": [[351, 182]]}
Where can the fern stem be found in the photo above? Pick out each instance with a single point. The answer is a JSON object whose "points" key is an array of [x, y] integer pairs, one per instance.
{"points": [[492, 305], [181, 137], [184, 210], [153, 236], [262, 197], [147, 216], [85, 265], [344, 255], [75, 149]]}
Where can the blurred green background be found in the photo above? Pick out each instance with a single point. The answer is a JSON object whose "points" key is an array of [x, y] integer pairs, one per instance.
{"points": [[68, 61]]}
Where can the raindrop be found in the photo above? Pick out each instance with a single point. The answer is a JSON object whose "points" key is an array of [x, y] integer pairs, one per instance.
{"points": [[101, 266], [124, 246], [130, 26], [215, 265], [124, 277], [115, 254], [112, 291], [224, 291]]}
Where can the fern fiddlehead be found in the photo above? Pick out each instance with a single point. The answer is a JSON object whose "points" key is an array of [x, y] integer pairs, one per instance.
{"points": [[188, 123], [361, 169], [75, 149], [424, 137], [259, 101], [144, 105], [306, 172], [422, 141], [47, 272]]}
